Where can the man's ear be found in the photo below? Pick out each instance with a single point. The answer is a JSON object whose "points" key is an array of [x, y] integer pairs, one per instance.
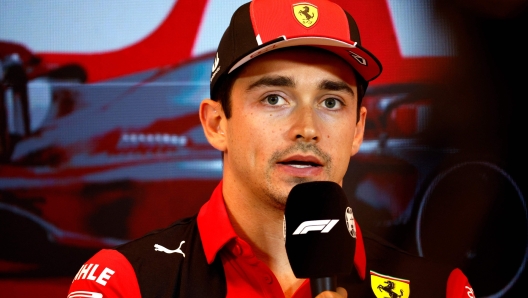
{"points": [[213, 122], [359, 131]]}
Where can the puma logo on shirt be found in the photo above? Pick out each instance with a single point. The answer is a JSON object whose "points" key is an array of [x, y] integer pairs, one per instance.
{"points": [[158, 247]]}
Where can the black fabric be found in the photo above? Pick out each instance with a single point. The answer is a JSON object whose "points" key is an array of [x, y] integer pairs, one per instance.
{"points": [[354, 30], [172, 275], [233, 45], [427, 278]]}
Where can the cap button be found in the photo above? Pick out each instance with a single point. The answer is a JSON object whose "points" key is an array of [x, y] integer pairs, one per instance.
{"points": [[237, 250], [268, 279]]}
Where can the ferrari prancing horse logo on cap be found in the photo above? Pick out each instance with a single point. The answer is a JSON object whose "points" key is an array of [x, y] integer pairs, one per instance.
{"points": [[306, 14]]}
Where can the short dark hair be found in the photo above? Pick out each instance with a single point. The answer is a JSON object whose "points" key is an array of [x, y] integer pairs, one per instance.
{"points": [[222, 93]]}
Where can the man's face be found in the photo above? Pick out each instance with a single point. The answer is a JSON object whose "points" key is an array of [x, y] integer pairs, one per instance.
{"points": [[293, 120]]}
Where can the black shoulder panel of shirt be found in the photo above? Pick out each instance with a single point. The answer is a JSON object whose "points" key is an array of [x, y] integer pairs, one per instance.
{"points": [[426, 278], [162, 271]]}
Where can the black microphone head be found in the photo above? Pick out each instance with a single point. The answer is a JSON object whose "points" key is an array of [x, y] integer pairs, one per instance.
{"points": [[320, 230]]}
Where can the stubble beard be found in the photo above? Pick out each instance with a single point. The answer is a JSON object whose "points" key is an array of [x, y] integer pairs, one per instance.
{"points": [[277, 195]]}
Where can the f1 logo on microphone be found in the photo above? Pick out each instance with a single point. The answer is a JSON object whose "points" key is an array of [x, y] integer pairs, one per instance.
{"points": [[323, 225]]}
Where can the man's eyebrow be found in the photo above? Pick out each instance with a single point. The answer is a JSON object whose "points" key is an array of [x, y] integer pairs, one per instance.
{"points": [[335, 86], [279, 81], [283, 81]]}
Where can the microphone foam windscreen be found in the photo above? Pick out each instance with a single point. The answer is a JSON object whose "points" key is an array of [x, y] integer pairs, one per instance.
{"points": [[319, 230]]}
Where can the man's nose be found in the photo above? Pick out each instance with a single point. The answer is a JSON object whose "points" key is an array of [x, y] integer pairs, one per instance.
{"points": [[305, 125]]}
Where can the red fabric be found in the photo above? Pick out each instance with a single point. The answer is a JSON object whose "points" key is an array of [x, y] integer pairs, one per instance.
{"points": [[272, 21], [214, 225], [246, 275], [360, 257], [458, 285], [249, 277], [107, 273]]}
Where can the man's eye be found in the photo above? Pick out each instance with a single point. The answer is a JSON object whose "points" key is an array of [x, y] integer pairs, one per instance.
{"points": [[332, 103], [273, 99]]}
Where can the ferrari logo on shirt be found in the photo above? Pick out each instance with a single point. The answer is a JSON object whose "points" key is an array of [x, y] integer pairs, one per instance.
{"points": [[306, 14], [385, 286]]}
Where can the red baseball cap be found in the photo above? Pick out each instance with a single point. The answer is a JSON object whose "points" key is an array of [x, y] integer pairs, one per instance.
{"points": [[261, 26]]}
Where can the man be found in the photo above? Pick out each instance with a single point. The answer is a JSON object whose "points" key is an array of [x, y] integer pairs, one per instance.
{"points": [[286, 87]]}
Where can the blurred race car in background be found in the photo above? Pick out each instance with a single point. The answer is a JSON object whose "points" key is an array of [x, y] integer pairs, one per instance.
{"points": [[108, 156]]}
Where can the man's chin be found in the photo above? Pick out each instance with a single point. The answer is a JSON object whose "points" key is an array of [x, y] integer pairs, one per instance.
{"points": [[298, 180], [291, 182], [281, 190]]}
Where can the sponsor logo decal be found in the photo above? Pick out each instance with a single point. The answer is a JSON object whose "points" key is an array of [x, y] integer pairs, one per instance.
{"points": [[385, 286], [358, 58], [158, 247], [85, 294], [350, 222], [323, 225], [306, 14], [90, 272]]}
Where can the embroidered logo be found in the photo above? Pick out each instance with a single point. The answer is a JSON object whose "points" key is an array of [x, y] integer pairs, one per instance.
{"points": [[215, 63], [306, 14], [158, 247], [358, 58], [216, 67], [385, 286], [350, 223]]}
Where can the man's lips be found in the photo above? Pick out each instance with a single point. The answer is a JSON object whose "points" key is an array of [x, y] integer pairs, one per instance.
{"points": [[300, 161], [301, 166]]}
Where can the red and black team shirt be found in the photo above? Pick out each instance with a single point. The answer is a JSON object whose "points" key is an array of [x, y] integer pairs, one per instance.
{"points": [[201, 256]]}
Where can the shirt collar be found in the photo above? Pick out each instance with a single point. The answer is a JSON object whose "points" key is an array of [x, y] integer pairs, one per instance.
{"points": [[214, 225], [216, 230], [360, 257]]}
